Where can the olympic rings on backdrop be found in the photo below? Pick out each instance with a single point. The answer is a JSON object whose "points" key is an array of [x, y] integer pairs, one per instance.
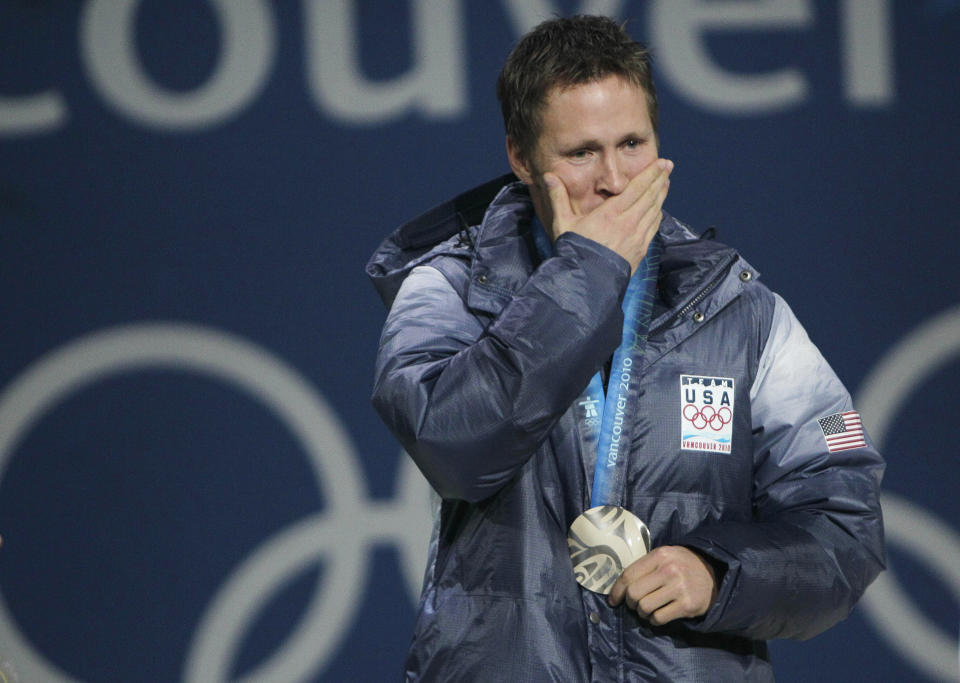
{"points": [[340, 536], [399, 521]]}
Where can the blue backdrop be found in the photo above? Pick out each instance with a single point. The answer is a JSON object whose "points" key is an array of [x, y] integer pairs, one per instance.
{"points": [[192, 483]]}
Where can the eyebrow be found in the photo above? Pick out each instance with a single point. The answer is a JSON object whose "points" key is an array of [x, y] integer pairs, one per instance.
{"points": [[593, 143]]}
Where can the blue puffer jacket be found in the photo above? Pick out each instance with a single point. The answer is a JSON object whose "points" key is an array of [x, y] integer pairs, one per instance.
{"points": [[482, 360]]}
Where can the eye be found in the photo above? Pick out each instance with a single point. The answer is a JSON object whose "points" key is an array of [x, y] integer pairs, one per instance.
{"points": [[634, 143], [580, 155]]}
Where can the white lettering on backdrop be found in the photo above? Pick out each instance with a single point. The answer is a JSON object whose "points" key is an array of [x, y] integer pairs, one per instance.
{"points": [[436, 84]]}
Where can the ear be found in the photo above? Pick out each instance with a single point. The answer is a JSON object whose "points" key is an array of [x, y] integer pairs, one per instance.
{"points": [[518, 163]]}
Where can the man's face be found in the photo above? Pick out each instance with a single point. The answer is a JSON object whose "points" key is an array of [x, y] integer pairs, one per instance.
{"points": [[596, 137]]}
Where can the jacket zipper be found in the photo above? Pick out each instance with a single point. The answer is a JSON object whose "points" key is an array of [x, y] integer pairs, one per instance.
{"points": [[703, 293]]}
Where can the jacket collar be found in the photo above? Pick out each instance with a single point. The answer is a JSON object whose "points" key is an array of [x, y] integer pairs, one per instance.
{"points": [[698, 277]]}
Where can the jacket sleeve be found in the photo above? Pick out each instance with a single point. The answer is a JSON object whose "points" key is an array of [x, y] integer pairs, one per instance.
{"points": [[471, 404], [816, 540]]}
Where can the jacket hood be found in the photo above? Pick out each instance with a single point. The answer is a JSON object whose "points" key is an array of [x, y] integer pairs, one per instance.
{"points": [[405, 247]]}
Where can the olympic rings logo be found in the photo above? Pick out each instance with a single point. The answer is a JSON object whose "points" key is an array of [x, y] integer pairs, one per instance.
{"points": [[707, 416], [889, 608], [341, 536]]}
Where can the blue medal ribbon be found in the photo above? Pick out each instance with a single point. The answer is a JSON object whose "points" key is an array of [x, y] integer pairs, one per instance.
{"points": [[615, 409]]}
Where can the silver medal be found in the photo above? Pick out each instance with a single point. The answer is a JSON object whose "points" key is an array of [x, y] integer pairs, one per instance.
{"points": [[602, 542]]}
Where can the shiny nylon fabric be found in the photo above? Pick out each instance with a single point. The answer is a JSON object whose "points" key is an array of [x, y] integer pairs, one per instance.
{"points": [[482, 359]]}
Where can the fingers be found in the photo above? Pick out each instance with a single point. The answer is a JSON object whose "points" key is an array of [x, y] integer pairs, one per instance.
{"points": [[668, 583], [640, 205], [644, 206], [647, 595], [639, 575], [651, 199], [647, 187], [665, 614], [625, 223], [563, 213]]}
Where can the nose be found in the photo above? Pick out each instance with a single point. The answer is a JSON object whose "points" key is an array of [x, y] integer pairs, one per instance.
{"points": [[611, 179]]}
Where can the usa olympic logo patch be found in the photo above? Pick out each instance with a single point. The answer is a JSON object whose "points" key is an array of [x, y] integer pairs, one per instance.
{"points": [[706, 413]]}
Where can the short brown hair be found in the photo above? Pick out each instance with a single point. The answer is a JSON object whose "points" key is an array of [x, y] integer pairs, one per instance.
{"points": [[564, 52]]}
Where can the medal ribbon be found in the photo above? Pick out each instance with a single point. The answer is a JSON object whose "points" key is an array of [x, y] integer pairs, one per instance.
{"points": [[620, 403]]}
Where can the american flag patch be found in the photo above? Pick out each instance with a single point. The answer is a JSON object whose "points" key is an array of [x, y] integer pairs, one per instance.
{"points": [[842, 431]]}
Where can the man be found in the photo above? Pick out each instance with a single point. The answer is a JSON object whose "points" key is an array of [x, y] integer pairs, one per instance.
{"points": [[736, 444]]}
